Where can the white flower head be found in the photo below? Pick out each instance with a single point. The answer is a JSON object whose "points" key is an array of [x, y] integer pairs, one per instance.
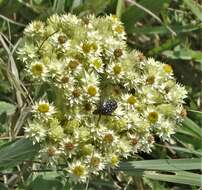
{"points": [[43, 109], [111, 101], [69, 147], [37, 70], [78, 171], [36, 131], [35, 28], [95, 162]]}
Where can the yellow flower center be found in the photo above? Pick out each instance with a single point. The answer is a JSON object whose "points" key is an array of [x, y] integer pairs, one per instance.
{"points": [[114, 17], [131, 100], [37, 69], [64, 79], [167, 68], [95, 161], [134, 140], [118, 52], [150, 80], [43, 108], [73, 64], [108, 138], [78, 170], [51, 151], [150, 139], [92, 90], [69, 146], [87, 106], [114, 160], [94, 46], [37, 25], [153, 117], [97, 63], [62, 39], [117, 69], [86, 47], [76, 93], [119, 29]]}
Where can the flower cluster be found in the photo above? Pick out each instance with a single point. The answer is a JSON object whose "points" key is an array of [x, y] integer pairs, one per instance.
{"points": [[108, 102]]}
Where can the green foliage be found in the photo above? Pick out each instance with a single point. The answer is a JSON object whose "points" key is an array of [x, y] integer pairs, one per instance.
{"points": [[134, 14], [16, 152], [46, 182], [6, 108], [195, 8]]}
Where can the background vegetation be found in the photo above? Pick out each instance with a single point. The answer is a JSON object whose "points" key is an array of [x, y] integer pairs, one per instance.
{"points": [[170, 31]]}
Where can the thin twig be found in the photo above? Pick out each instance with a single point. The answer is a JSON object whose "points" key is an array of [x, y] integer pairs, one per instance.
{"points": [[6, 39], [46, 39]]}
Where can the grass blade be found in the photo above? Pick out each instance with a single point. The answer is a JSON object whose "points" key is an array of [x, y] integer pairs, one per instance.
{"points": [[119, 8], [162, 164], [188, 178]]}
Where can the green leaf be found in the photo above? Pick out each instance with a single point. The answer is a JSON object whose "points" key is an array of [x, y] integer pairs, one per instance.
{"points": [[184, 54], [44, 183], [195, 8], [192, 127], [188, 178], [38, 2], [199, 113], [119, 8], [76, 3], [6, 107], [151, 30], [170, 43], [161, 164], [3, 187], [14, 153], [47, 181], [133, 14], [59, 6], [103, 183], [185, 150], [91, 6]]}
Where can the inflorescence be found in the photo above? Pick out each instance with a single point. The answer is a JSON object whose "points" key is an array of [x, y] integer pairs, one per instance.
{"points": [[109, 102]]}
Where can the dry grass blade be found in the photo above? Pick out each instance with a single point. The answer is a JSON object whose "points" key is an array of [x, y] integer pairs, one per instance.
{"points": [[14, 71], [11, 21]]}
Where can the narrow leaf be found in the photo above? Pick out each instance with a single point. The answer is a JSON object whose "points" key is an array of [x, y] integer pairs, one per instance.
{"points": [[162, 164], [193, 127], [119, 8], [188, 178], [151, 30]]}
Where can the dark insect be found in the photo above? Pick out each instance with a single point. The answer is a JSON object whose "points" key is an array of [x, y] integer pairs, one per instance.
{"points": [[106, 107]]}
